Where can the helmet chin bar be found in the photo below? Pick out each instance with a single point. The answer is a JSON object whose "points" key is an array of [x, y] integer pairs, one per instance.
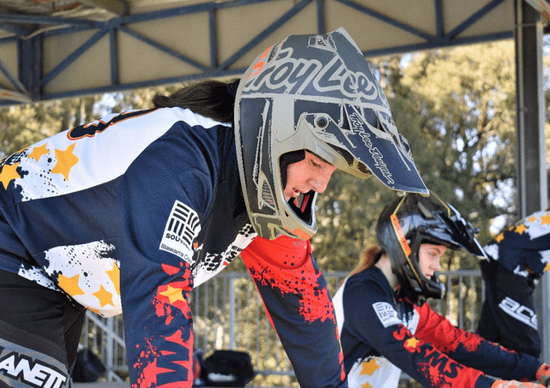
{"points": [[302, 205], [303, 209]]}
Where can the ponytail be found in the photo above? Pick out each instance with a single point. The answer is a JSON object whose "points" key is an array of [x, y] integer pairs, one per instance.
{"points": [[212, 99], [371, 256]]}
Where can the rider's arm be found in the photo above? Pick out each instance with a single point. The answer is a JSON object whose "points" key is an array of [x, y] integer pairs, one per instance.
{"points": [[300, 308], [472, 350]]}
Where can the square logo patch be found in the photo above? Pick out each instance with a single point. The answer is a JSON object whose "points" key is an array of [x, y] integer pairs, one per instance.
{"points": [[386, 314], [182, 227]]}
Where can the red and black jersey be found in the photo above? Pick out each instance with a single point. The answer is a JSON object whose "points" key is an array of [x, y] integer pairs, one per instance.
{"points": [[382, 335]]}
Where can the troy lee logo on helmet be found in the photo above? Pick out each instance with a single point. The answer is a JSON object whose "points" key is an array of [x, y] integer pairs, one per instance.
{"points": [[286, 74]]}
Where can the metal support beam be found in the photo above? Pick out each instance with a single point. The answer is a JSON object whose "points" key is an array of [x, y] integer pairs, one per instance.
{"points": [[531, 145], [30, 61], [14, 96]]}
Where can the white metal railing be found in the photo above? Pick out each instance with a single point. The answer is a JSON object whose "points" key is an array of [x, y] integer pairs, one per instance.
{"points": [[105, 337], [228, 314]]}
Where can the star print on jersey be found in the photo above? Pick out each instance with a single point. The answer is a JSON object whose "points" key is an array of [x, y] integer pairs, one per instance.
{"points": [[65, 161], [173, 294], [520, 229], [103, 296], [524, 247], [88, 275], [373, 372], [70, 285], [38, 152], [411, 343], [38, 170], [8, 174], [369, 367]]}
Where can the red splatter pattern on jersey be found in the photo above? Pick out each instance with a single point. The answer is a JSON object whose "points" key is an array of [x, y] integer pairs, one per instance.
{"points": [[431, 362], [299, 306], [286, 265], [438, 331], [165, 357]]}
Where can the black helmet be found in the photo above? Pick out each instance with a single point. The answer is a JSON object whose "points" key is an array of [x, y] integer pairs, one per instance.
{"points": [[411, 220], [315, 93]]}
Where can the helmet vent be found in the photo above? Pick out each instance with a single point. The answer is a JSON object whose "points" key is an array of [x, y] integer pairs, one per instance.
{"points": [[363, 168], [349, 158], [267, 195]]}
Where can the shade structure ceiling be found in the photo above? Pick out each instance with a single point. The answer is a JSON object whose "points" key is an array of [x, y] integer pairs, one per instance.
{"points": [[52, 49]]}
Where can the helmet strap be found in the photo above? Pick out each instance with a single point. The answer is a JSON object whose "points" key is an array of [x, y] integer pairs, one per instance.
{"points": [[401, 236]]}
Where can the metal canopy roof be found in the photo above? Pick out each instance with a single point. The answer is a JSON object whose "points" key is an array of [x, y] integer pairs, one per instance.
{"points": [[52, 49]]}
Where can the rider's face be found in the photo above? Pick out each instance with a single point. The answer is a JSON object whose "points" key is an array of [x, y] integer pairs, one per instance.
{"points": [[430, 256], [311, 173]]}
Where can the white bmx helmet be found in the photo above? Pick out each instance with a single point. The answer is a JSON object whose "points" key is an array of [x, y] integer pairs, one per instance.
{"points": [[314, 93]]}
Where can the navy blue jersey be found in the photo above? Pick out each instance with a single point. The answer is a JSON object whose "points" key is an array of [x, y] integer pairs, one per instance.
{"points": [[74, 205], [383, 335], [525, 247], [130, 213]]}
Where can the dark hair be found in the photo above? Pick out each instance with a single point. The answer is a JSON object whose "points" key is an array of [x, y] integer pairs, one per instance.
{"points": [[210, 98]]}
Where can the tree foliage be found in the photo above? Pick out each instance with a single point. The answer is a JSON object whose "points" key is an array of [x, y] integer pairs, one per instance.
{"points": [[23, 125]]}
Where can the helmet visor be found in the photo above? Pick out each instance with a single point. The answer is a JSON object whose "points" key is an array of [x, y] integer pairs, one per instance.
{"points": [[361, 149]]}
